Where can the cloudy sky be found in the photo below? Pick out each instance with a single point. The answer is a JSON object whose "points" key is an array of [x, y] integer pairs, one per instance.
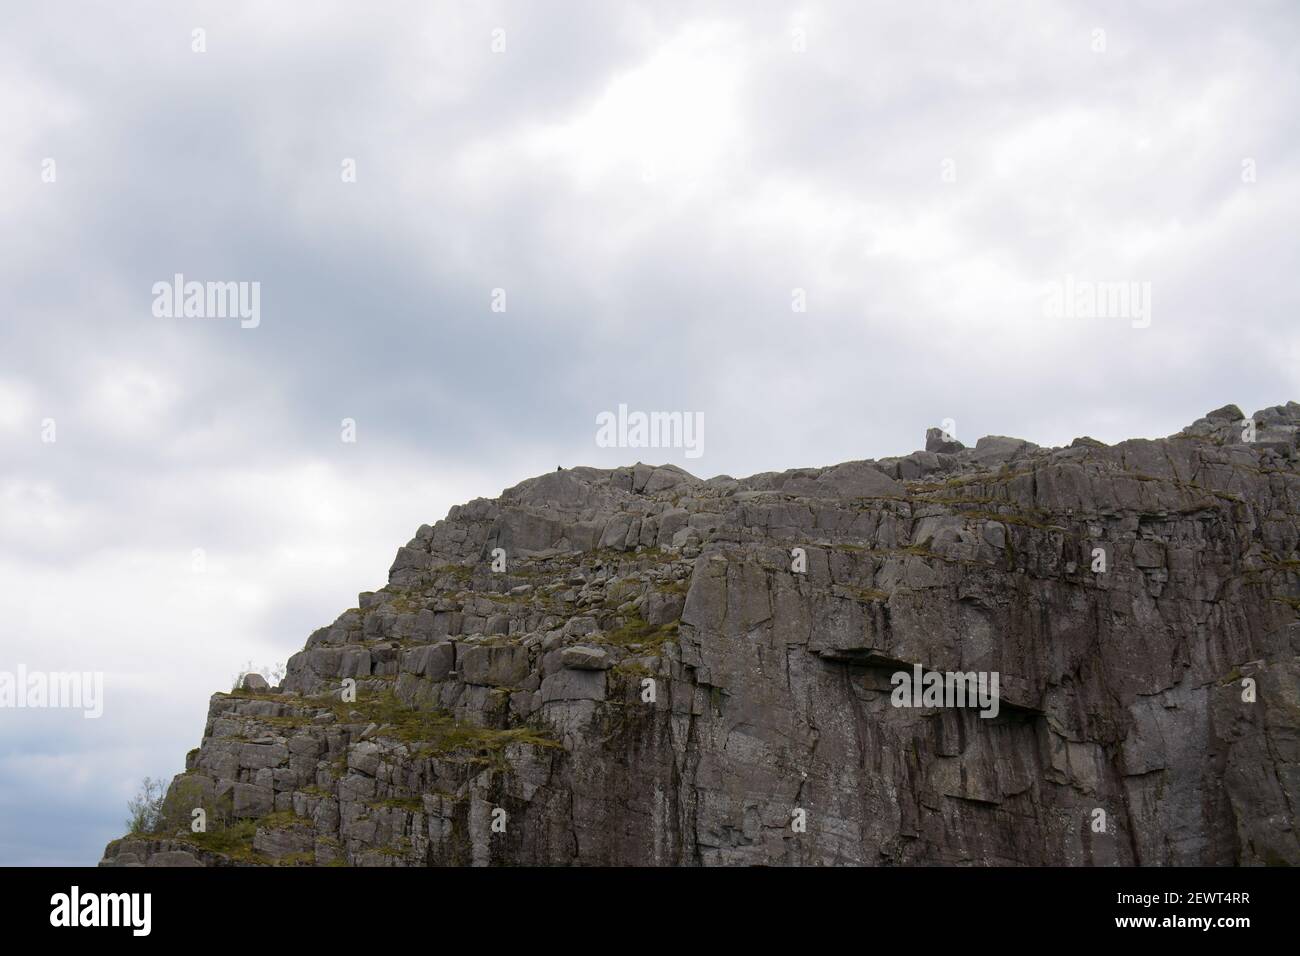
{"points": [[649, 184]]}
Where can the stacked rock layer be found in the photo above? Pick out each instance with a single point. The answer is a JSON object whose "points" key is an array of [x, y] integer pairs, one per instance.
{"points": [[636, 666]]}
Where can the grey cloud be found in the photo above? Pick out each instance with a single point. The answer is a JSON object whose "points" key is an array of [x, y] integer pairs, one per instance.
{"points": [[818, 170]]}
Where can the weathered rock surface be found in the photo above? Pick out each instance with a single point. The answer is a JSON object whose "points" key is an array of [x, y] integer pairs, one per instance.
{"points": [[650, 680]]}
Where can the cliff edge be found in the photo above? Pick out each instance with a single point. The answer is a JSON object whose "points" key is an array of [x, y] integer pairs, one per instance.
{"points": [[637, 666]]}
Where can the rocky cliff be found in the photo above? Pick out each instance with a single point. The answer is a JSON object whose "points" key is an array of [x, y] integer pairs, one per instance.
{"points": [[637, 666]]}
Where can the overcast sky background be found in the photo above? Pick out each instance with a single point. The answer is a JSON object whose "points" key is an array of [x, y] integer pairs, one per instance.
{"points": [[648, 183]]}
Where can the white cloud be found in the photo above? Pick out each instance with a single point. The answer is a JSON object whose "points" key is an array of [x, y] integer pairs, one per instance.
{"points": [[17, 409]]}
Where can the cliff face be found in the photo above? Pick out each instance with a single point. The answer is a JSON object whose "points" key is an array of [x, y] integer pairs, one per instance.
{"points": [[656, 678]]}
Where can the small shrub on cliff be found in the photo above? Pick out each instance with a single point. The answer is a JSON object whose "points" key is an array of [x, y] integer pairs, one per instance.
{"points": [[146, 807]]}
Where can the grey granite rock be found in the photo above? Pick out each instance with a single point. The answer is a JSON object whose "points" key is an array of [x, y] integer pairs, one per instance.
{"points": [[254, 681], [656, 679], [581, 658]]}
